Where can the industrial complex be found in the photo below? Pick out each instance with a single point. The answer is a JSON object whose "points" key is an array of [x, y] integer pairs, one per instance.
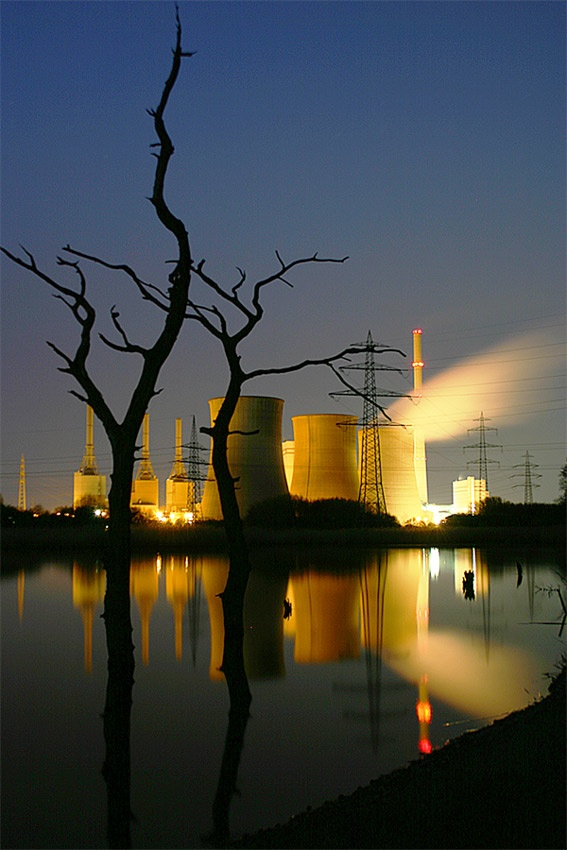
{"points": [[375, 460]]}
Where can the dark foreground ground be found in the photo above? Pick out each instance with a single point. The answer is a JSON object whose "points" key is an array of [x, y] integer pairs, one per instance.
{"points": [[502, 786]]}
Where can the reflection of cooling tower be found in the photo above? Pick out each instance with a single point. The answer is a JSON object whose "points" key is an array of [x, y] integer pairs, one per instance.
{"points": [[263, 620], [255, 459], [389, 596], [325, 457], [398, 472], [325, 609]]}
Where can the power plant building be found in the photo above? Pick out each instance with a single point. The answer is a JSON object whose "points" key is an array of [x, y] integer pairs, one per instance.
{"points": [[324, 465], [399, 480], [468, 495], [145, 488], [255, 459], [177, 485], [89, 488]]}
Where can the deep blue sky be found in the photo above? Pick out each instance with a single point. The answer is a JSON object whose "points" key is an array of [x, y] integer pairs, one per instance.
{"points": [[424, 140]]}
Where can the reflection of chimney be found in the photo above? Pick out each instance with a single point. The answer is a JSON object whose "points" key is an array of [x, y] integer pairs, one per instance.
{"points": [[177, 591], [21, 583], [144, 584], [88, 591]]}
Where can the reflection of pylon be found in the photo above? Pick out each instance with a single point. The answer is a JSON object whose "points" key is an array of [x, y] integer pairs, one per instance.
{"points": [[482, 446], [22, 490]]}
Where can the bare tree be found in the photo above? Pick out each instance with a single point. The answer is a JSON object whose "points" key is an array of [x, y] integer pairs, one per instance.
{"points": [[173, 302], [214, 318]]}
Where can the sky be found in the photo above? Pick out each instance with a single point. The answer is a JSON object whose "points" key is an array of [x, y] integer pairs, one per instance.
{"points": [[425, 140]]}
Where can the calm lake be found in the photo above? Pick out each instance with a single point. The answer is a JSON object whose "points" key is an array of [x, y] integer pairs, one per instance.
{"points": [[376, 657]]}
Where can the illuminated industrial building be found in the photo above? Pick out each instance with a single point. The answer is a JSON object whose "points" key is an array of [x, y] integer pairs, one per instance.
{"points": [[468, 495], [89, 488], [177, 485], [255, 459], [420, 459], [145, 488], [324, 465], [399, 480]]}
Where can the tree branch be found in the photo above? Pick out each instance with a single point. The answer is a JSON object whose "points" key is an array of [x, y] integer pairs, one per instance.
{"points": [[144, 288]]}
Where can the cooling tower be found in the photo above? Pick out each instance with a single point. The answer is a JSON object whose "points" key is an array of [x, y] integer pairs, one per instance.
{"points": [[255, 459], [399, 479], [324, 464]]}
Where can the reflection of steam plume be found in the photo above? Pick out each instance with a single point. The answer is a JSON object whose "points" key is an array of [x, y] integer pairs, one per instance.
{"points": [[451, 399]]}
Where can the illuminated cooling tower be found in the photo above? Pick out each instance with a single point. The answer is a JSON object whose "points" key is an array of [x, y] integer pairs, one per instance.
{"points": [[255, 459], [325, 457], [399, 480]]}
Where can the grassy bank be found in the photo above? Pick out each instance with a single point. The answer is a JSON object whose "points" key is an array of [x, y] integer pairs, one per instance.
{"points": [[502, 786]]}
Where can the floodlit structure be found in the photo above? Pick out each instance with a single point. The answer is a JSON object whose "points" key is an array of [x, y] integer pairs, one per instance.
{"points": [[468, 495], [420, 459], [325, 457], [145, 488], [288, 450], [177, 485], [89, 488], [255, 459], [401, 492]]}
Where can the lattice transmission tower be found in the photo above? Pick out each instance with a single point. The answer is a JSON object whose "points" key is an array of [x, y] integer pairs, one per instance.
{"points": [[482, 446], [194, 467], [22, 489], [371, 489], [529, 476]]}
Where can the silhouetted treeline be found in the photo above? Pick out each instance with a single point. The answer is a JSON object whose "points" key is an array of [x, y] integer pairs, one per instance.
{"points": [[496, 512], [11, 517], [294, 512]]}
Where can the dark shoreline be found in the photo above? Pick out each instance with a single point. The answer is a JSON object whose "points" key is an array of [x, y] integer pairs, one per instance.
{"points": [[210, 538], [502, 786]]}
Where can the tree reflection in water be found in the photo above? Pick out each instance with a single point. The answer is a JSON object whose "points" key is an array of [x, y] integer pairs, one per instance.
{"points": [[116, 768], [118, 704]]}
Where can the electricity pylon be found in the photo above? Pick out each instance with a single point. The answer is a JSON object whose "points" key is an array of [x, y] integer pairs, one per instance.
{"points": [[22, 490], [529, 475], [482, 446], [371, 489], [194, 464]]}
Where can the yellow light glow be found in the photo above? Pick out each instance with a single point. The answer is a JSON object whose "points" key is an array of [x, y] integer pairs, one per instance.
{"points": [[451, 400]]}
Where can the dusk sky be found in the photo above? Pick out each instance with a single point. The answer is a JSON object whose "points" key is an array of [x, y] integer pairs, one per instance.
{"points": [[425, 140]]}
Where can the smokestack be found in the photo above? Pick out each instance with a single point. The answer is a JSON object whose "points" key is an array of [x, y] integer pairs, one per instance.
{"points": [[88, 466], [417, 361], [146, 471], [419, 440], [178, 469]]}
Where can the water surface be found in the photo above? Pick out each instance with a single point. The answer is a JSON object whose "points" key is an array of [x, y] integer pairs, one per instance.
{"points": [[381, 659]]}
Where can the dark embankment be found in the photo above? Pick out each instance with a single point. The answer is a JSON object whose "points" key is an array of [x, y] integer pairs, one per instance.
{"points": [[502, 786]]}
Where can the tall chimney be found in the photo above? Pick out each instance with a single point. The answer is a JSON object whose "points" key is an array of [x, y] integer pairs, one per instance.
{"points": [[417, 361]]}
